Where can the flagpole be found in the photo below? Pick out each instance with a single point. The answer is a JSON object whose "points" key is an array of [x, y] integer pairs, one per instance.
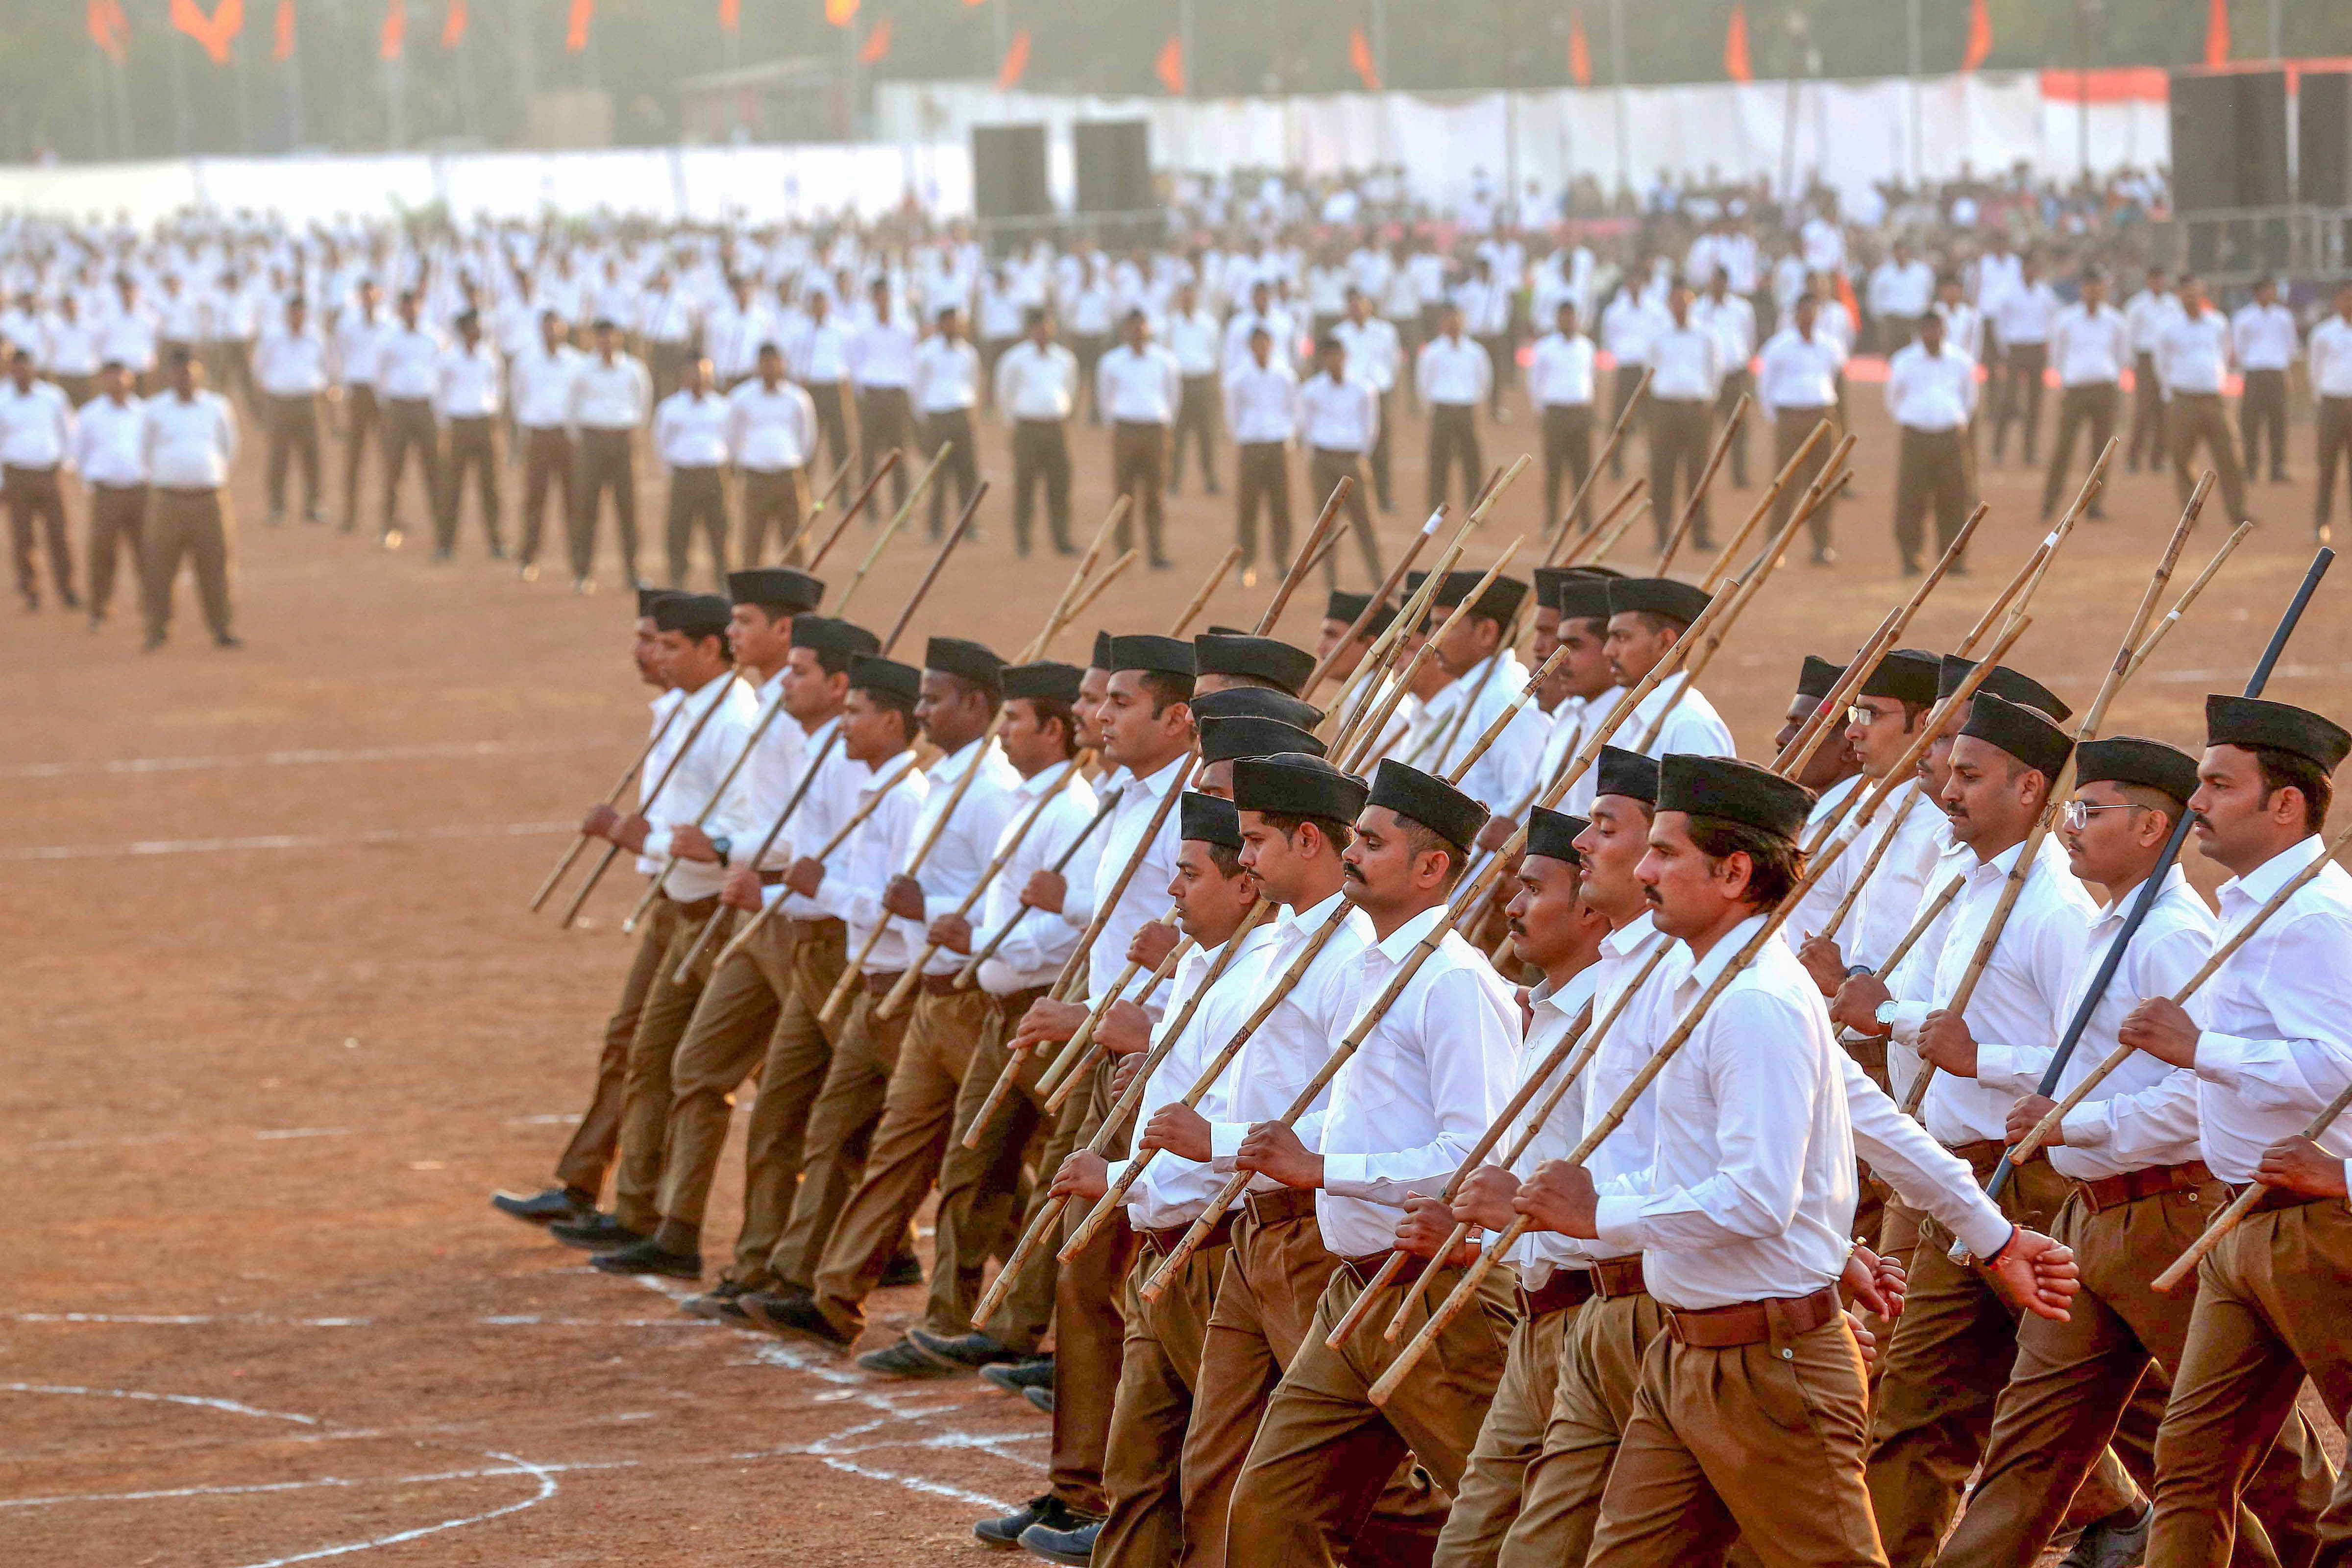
{"points": [[1617, 68], [1918, 153]]}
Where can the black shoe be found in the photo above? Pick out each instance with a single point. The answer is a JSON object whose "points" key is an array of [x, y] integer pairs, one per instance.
{"points": [[1042, 1398], [1005, 1532], [1017, 1377], [1161, 563], [498, 551], [761, 1306], [443, 554], [645, 1258], [904, 1359], [801, 1315], [966, 1352], [900, 1271], [544, 1208], [1063, 1545], [1825, 556], [275, 520], [227, 641], [722, 1303], [2106, 1544], [595, 1234], [2098, 514], [1910, 568], [1215, 488], [154, 640]]}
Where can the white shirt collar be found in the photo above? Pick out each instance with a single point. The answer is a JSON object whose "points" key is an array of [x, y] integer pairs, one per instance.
{"points": [[2258, 885], [1408, 936]]}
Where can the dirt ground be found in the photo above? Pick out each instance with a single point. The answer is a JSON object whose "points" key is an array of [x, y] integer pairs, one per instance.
{"points": [[277, 1024]]}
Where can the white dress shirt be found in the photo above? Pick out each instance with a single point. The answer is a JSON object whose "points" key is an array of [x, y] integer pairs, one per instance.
{"points": [[947, 375], [2090, 348], [690, 429], [875, 852], [1685, 362], [2023, 314], [830, 800], [358, 342], [1795, 372], [1901, 289], [1340, 414], [1146, 897], [188, 444], [1627, 325], [2264, 336], [1454, 372], [287, 363], [1692, 724], [1133, 388], [773, 771], [1374, 351], [699, 768], [1931, 392], [1497, 778], [1036, 947], [1890, 899], [1812, 911], [407, 362], [666, 738], [108, 444], [1036, 383], [36, 424], [963, 844], [1732, 319], [615, 396], [1194, 339], [881, 355], [71, 348], [2331, 358], [541, 383], [469, 379], [129, 339], [2194, 355], [1560, 374], [2149, 312], [771, 431], [819, 353], [1261, 401]]}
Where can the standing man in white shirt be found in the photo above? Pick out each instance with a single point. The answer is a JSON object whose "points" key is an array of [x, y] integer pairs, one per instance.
{"points": [[1137, 386], [2090, 342], [1732, 319], [1037, 392], [1686, 371], [1796, 389], [188, 438], [109, 452], [466, 401], [2149, 312], [1375, 354], [1561, 385], [539, 382], [945, 391], [819, 357], [612, 395], [771, 432], [690, 429], [1899, 290], [36, 427], [1262, 412], [2263, 337], [289, 368], [881, 359], [357, 344], [72, 350], [1194, 339], [408, 369], [1626, 324], [2021, 317], [2331, 392], [1931, 390], [1454, 376], [1339, 416], [2192, 360]]}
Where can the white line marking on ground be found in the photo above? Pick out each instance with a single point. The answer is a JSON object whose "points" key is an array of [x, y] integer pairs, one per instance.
{"points": [[305, 1132], [259, 1319], [230, 1405], [286, 841], [547, 1488], [460, 749]]}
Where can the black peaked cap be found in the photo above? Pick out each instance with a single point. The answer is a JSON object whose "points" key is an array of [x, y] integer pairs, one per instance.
{"points": [[1344, 608], [776, 587], [1816, 676], [1734, 791], [2018, 730], [1429, 801], [1630, 774], [2131, 760], [1683, 602], [1209, 819], [1101, 660], [1298, 786], [1257, 702], [1553, 835], [697, 614], [1042, 682], [2004, 682], [826, 635], [1168, 655], [1907, 675], [2253, 724], [1264, 658], [886, 675], [648, 597], [967, 660], [1223, 740]]}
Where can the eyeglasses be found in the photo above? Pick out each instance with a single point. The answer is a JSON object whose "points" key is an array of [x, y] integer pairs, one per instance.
{"points": [[2078, 812], [1863, 718]]}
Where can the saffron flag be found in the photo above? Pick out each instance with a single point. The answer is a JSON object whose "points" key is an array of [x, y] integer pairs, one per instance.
{"points": [[109, 29], [1735, 46], [2217, 33], [1016, 60], [1170, 66], [1979, 36], [876, 45], [1580, 53], [840, 11], [730, 15], [453, 25], [282, 47], [395, 29], [215, 32], [1360, 56], [575, 31]]}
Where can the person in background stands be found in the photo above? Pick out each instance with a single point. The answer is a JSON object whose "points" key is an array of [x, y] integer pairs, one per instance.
{"points": [[1137, 386], [2331, 390], [2193, 361], [1037, 392], [358, 343], [1561, 385], [465, 399], [771, 436], [1453, 376], [408, 363], [2091, 343], [2148, 313], [2263, 338], [2022, 316], [819, 357], [1931, 391], [1686, 371], [690, 439], [881, 361], [1339, 415], [1732, 319], [611, 396], [540, 385], [1261, 411], [36, 427], [290, 367], [945, 390], [109, 454], [1796, 389], [1194, 338], [1374, 354], [187, 440]]}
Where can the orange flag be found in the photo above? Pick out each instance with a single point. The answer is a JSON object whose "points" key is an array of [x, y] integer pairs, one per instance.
{"points": [[109, 29], [1170, 65], [730, 15], [1979, 36], [215, 32], [1016, 60], [1735, 46], [395, 29], [2217, 33], [840, 11], [453, 25], [575, 31], [281, 49], [876, 45], [1580, 53], [1360, 56]]}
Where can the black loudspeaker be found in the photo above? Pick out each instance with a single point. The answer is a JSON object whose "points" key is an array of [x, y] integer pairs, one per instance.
{"points": [[2323, 165], [1114, 163], [1008, 172], [2204, 142], [2260, 103]]}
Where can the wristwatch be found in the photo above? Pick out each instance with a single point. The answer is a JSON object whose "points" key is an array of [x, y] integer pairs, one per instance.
{"points": [[720, 847], [1885, 1013]]}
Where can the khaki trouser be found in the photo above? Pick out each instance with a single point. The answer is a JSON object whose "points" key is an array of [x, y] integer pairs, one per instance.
{"points": [[645, 1083], [2199, 417], [1027, 1310], [584, 1161], [2269, 1312], [293, 431], [1137, 453], [697, 504], [839, 1133], [885, 418], [1040, 460], [1790, 429], [1763, 1442], [1931, 473], [604, 460], [1325, 469], [909, 1142], [2262, 406], [546, 464], [984, 1190], [799, 1060], [1160, 1367], [362, 419], [1945, 1368], [1089, 1329], [2093, 403], [1680, 432], [1453, 444], [409, 427], [1509, 1439], [1262, 478], [1598, 1375], [118, 526], [473, 445], [196, 525], [34, 497], [1324, 1451], [725, 1043], [772, 497], [2073, 1381], [1567, 459]]}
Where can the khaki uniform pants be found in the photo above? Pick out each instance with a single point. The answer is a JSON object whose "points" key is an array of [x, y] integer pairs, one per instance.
{"points": [[1790, 429], [409, 427], [839, 1133], [2269, 1312], [473, 445], [1680, 431], [1137, 453], [1089, 1329], [1945, 1368], [605, 461], [1324, 1451], [799, 1060], [983, 1191], [1262, 478], [36, 512], [1762, 1442], [2262, 406], [2196, 419], [909, 1142], [1567, 458], [645, 1083], [1511, 1437], [546, 464], [697, 504], [2075, 1381], [1020, 1322], [589, 1155], [2093, 403], [1160, 1367], [1931, 474], [1040, 459], [772, 498], [293, 431], [1325, 469], [195, 525], [118, 526], [362, 419], [1597, 1376], [1197, 417], [885, 418], [1453, 444]]}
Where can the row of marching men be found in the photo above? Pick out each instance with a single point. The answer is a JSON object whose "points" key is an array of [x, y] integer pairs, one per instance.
{"points": [[1277, 1338]]}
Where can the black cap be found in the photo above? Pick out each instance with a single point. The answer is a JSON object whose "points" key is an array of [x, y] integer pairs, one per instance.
{"points": [[1577, 593], [1676, 601], [1816, 676], [2020, 732], [2255, 724], [1344, 608], [1499, 603], [1223, 740], [1101, 660], [1429, 801], [1299, 785], [648, 597], [1734, 791], [828, 635], [1209, 819], [888, 674], [1263, 658], [2004, 682], [1630, 774], [1907, 675], [1553, 835], [2130, 760], [1169, 655], [1257, 702], [965, 660], [1042, 682], [776, 588], [697, 614]]}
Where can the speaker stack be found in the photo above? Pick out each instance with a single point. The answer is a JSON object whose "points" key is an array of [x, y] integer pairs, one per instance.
{"points": [[2230, 154]]}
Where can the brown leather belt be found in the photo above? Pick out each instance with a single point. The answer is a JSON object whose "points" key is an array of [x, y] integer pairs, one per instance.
{"points": [[880, 983], [771, 879], [1981, 1155], [1566, 1290], [2276, 1198], [1753, 1322], [818, 930], [2113, 1192], [1284, 1204], [1167, 1237], [1616, 1277], [700, 910], [1372, 1263], [939, 984]]}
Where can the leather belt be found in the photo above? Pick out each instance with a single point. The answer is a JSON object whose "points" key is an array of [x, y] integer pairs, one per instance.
{"points": [[1981, 1155], [700, 910], [1753, 1322], [879, 983], [1286, 1202], [942, 985], [1165, 1239], [2276, 1198], [1372, 1263], [818, 930], [1616, 1277], [771, 879], [1566, 1289], [2113, 1192]]}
